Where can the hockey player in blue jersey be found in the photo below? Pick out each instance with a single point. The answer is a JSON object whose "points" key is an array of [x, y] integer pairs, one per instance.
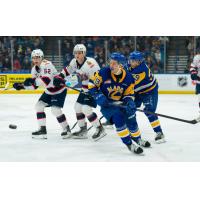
{"points": [[114, 84], [146, 90]]}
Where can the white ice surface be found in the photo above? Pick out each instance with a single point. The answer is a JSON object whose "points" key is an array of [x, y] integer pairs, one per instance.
{"points": [[183, 140]]}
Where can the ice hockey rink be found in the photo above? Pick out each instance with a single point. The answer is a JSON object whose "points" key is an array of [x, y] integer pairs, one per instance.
{"points": [[183, 140]]}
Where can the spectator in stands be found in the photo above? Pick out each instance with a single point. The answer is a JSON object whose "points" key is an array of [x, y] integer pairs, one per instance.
{"points": [[90, 47], [36, 43], [67, 58], [1, 66], [26, 66], [28, 52], [197, 42], [6, 64], [150, 63], [100, 56], [16, 65]]}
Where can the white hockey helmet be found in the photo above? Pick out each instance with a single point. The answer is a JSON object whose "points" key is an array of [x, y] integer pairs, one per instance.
{"points": [[80, 47], [37, 52]]}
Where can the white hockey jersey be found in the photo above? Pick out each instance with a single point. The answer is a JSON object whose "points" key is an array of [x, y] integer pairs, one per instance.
{"points": [[195, 66], [84, 71], [44, 75]]}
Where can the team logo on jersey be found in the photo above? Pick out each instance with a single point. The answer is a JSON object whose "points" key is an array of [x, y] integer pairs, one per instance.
{"points": [[182, 81], [115, 93], [90, 64]]}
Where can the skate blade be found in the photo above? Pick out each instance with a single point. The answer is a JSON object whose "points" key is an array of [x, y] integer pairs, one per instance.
{"points": [[101, 136], [138, 154], [160, 141], [40, 137], [79, 137], [66, 137], [141, 154], [146, 147]]}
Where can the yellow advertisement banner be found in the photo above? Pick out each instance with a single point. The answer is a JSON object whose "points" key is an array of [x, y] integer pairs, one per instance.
{"points": [[16, 78], [12, 78]]}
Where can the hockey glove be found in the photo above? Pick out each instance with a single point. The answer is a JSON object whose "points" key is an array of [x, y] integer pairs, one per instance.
{"points": [[58, 81], [130, 106], [18, 86], [89, 100], [29, 82], [81, 75], [101, 100], [194, 77]]}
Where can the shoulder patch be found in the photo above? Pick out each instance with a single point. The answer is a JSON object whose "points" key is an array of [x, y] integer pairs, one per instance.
{"points": [[90, 64]]}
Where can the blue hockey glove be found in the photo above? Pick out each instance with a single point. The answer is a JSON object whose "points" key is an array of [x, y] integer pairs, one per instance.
{"points": [[58, 81], [130, 106], [101, 100], [18, 86], [29, 82]]}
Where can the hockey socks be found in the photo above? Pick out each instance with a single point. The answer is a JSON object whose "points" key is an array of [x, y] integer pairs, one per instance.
{"points": [[41, 118]]}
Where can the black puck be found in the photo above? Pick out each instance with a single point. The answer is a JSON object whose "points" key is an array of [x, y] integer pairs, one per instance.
{"points": [[12, 126]]}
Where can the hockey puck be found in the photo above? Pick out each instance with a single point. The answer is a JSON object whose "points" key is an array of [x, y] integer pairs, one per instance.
{"points": [[12, 126]]}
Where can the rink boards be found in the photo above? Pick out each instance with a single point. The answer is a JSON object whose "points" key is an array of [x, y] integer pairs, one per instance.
{"points": [[168, 84]]}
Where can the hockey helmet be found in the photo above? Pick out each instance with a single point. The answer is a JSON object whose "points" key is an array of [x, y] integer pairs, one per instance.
{"points": [[80, 47], [37, 52], [136, 55], [120, 58]]}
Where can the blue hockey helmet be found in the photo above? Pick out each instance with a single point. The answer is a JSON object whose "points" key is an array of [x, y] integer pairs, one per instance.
{"points": [[136, 55], [120, 58]]}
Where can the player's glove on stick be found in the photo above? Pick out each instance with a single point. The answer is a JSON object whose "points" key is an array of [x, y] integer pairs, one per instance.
{"points": [[58, 81], [18, 86], [29, 82], [101, 100], [130, 106]]}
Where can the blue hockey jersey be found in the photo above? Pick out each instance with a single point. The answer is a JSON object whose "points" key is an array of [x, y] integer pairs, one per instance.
{"points": [[114, 88], [144, 79]]}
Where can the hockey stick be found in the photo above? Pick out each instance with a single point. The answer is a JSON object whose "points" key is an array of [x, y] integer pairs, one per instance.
{"points": [[6, 86], [77, 122], [75, 89], [89, 127], [194, 121], [74, 125], [92, 125]]}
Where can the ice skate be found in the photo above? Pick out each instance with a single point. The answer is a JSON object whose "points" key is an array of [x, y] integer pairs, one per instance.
{"points": [[81, 134], [66, 133], [134, 148], [159, 138], [100, 132], [143, 143], [40, 134]]}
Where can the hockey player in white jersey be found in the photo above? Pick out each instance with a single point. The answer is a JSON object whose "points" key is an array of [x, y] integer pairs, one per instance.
{"points": [[195, 74], [43, 73], [84, 67]]}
